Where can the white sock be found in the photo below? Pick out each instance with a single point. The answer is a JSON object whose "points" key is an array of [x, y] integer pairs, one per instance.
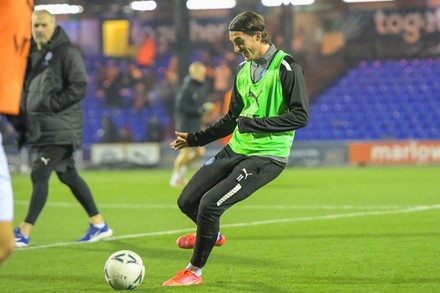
{"points": [[197, 272], [182, 171], [174, 178], [99, 226], [218, 236]]}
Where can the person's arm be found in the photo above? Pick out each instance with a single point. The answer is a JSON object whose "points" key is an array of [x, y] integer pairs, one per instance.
{"points": [[74, 77], [294, 94]]}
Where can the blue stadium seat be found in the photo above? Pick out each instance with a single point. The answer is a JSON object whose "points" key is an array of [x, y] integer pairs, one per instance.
{"points": [[380, 99]]}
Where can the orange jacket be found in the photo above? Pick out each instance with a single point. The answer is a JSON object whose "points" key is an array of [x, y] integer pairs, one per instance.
{"points": [[147, 52], [15, 39]]}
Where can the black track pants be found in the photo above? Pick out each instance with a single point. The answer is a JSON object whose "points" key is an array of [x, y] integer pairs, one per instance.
{"points": [[58, 159], [223, 181]]}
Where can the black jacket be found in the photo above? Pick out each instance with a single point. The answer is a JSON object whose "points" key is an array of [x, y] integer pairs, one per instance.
{"points": [[55, 84], [189, 105]]}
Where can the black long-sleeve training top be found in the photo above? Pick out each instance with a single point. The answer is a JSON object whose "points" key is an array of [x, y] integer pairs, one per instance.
{"points": [[294, 93]]}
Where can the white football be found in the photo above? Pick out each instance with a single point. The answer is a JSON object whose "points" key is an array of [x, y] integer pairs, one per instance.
{"points": [[124, 270]]}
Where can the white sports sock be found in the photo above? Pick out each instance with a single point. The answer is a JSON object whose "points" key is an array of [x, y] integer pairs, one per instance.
{"points": [[175, 178], [99, 226], [183, 170], [197, 272]]}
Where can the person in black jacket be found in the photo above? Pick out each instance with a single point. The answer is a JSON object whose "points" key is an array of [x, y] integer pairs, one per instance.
{"points": [[55, 83], [269, 102], [190, 107]]}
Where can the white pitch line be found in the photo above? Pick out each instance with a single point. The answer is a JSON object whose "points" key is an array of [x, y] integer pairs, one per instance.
{"points": [[243, 207], [337, 216], [139, 235], [255, 223]]}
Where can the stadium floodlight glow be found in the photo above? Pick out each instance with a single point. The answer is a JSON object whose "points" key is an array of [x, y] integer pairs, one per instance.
{"points": [[143, 5], [60, 8], [210, 4], [275, 3], [365, 1]]}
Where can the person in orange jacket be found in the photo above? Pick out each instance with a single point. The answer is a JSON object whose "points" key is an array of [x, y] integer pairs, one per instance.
{"points": [[15, 40]]}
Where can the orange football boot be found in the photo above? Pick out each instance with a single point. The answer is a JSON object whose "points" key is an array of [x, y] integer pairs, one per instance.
{"points": [[183, 278], [188, 241]]}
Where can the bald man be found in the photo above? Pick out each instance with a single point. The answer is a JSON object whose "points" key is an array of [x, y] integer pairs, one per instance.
{"points": [[191, 106], [55, 84]]}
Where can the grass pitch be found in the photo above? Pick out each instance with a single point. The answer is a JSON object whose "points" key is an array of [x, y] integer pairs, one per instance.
{"points": [[311, 230]]}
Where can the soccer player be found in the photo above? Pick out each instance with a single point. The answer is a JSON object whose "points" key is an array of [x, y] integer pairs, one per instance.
{"points": [[190, 107], [269, 102], [55, 83], [15, 37]]}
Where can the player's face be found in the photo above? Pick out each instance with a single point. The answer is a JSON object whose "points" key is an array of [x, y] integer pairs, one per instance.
{"points": [[200, 74], [43, 27], [246, 45]]}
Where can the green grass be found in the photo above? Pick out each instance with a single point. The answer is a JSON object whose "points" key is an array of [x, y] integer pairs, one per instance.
{"points": [[311, 230]]}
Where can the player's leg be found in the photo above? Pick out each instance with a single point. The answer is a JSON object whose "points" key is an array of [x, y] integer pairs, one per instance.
{"points": [[98, 228], [7, 242], [214, 170], [248, 176], [79, 189], [179, 168], [42, 166]]}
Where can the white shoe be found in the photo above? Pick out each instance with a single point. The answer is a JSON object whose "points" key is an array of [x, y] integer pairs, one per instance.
{"points": [[177, 181]]}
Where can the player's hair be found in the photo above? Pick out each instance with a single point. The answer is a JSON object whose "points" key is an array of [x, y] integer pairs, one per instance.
{"points": [[195, 68], [44, 11], [250, 23]]}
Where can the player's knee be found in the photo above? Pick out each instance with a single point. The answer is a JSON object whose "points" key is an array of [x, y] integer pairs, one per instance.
{"points": [[69, 176], [183, 204], [186, 205], [39, 176], [63, 177]]}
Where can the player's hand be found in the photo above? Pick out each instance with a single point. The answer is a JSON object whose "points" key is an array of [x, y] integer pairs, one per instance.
{"points": [[180, 142], [242, 123]]}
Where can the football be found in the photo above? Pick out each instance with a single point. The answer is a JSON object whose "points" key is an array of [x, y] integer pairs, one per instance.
{"points": [[124, 270]]}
